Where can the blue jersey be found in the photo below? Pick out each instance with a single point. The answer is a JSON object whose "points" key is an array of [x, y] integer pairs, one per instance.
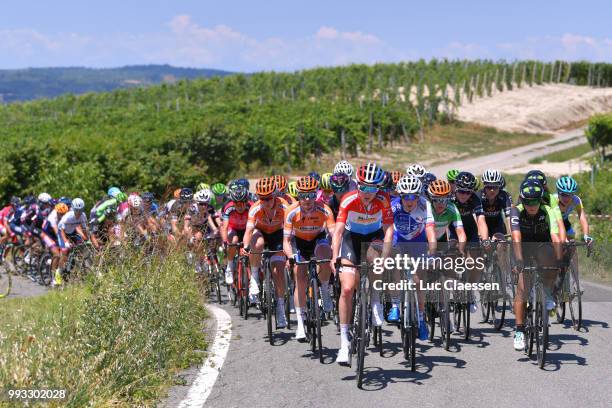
{"points": [[410, 226]]}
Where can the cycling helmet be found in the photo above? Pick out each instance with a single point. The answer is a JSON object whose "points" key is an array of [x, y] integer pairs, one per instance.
{"points": [[61, 208], [415, 170], [531, 189], [243, 182], [536, 175], [265, 186], [176, 193], [370, 173], [203, 186], [452, 174], [281, 182], [307, 184], [439, 188], [238, 193], [44, 198], [344, 167], [325, 182], [292, 189], [339, 182], [427, 179], [15, 201], [66, 201], [217, 189], [492, 176], [148, 197], [466, 181], [134, 201], [29, 200], [315, 175], [409, 185], [113, 191], [186, 194], [121, 197], [203, 196], [396, 176], [567, 184], [78, 204]]}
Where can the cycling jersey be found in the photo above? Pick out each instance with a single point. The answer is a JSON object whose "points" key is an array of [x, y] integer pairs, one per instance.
{"points": [[267, 221], [410, 226], [199, 215], [334, 204], [535, 228], [323, 197], [51, 224], [236, 221], [468, 210], [450, 217], [308, 225], [70, 222], [290, 200], [574, 204], [493, 210], [361, 219], [106, 208], [5, 214]]}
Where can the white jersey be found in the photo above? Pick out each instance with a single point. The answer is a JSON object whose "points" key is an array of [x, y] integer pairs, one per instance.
{"points": [[53, 219], [70, 222]]}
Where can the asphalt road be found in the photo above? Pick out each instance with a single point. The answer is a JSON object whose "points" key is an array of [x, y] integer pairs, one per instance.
{"points": [[484, 371]]}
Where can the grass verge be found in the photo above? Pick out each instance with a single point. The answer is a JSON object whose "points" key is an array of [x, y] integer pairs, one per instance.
{"points": [[564, 155], [112, 341]]}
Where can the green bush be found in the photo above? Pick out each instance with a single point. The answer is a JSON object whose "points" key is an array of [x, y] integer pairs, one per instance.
{"points": [[116, 340]]}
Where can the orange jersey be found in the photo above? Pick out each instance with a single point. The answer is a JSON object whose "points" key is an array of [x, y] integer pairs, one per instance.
{"points": [[267, 221], [288, 198], [308, 226]]}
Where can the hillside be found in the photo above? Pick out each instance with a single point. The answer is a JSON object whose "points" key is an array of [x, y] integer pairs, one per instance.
{"points": [[35, 83]]}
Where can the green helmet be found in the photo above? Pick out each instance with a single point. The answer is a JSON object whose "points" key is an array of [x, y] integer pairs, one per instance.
{"points": [[219, 189], [325, 181], [121, 197], [292, 189], [203, 186], [452, 174]]}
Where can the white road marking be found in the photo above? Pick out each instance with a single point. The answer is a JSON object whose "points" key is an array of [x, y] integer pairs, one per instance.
{"points": [[204, 382]]}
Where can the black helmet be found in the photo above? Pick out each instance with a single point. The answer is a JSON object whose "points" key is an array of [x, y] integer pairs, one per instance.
{"points": [[29, 200], [243, 182], [186, 194], [15, 201], [536, 175], [148, 197], [315, 175], [465, 181], [531, 190]]}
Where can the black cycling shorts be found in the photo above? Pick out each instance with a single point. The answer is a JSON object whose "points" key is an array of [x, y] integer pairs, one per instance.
{"points": [[306, 248], [350, 248], [273, 241]]}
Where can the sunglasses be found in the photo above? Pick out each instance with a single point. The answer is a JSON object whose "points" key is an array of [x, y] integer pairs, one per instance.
{"points": [[532, 202], [307, 196], [367, 188], [443, 200], [565, 194], [202, 204], [492, 187], [466, 192], [266, 198], [410, 197]]}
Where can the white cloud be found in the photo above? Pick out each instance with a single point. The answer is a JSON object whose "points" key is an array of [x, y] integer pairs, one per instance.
{"points": [[569, 46]]}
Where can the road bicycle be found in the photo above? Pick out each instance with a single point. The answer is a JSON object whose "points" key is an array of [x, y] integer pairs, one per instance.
{"points": [[268, 300], [493, 303], [567, 287]]}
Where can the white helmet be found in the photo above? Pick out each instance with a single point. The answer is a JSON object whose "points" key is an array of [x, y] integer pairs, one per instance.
{"points": [[203, 196], [344, 167], [409, 185], [134, 201], [492, 176], [78, 204], [44, 198], [415, 170]]}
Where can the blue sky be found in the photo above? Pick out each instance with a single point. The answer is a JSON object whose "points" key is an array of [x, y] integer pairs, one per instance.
{"points": [[287, 35]]}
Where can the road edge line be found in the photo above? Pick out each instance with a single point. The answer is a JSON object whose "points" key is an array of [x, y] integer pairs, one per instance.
{"points": [[207, 376]]}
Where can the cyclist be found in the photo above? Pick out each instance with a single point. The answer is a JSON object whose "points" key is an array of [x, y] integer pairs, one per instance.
{"points": [[199, 221], [235, 215], [281, 187], [365, 217], [179, 213], [347, 168], [567, 201], [535, 234], [451, 176], [427, 179], [395, 178], [340, 184], [540, 177], [308, 225], [416, 170], [5, 214], [51, 230], [72, 231], [414, 234], [325, 191], [292, 190], [151, 212], [446, 215], [265, 229], [107, 217]]}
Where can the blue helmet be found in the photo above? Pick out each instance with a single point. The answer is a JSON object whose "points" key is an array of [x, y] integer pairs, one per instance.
{"points": [[243, 182], [113, 191], [567, 184]]}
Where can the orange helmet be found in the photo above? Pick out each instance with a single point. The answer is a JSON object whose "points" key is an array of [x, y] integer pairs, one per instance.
{"points": [[177, 193], [395, 176], [439, 188], [61, 208], [281, 182], [265, 186], [307, 184]]}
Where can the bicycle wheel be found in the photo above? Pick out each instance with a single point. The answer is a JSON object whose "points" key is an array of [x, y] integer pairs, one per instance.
{"points": [[466, 320], [430, 315], [541, 328], [498, 322], [409, 330], [484, 306], [287, 297], [530, 330], [575, 304], [560, 310], [445, 320], [317, 319], [244, 290], [217, 273], [268, 304], [361, 342], [44, 269], [6, 282]]}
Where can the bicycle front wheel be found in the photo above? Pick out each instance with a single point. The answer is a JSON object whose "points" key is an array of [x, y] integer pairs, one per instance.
{"points": [[361, 341], [575, 305], [268, 304]]}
